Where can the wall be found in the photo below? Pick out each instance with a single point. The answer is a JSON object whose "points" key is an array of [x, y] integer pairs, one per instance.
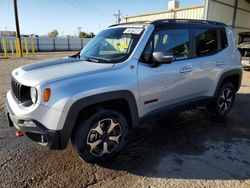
{"points": [[193, 12], [225, 11], [49, 44]]}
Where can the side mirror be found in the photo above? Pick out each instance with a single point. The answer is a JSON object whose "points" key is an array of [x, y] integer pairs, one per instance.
{"points": [[162, 57]]}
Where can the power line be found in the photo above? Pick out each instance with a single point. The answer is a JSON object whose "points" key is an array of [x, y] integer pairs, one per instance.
{"points": [[89, 10], [93, 7], [75, 4]]}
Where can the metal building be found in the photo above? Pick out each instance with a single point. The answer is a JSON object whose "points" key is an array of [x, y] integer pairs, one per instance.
{"points": [[193, 12], [235, 13]]}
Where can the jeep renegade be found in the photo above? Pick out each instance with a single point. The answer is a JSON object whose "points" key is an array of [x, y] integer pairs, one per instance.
{"points": [[127, 74]]}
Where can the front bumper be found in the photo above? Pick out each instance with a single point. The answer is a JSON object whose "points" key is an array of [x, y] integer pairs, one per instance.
{"points": [[34, 130]]}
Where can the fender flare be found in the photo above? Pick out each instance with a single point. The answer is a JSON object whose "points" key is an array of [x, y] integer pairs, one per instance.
{"points": [[80, 104], [226, 74]]}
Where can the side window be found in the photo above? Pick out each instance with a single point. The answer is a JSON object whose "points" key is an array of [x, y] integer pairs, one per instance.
{"points": [[169, 40], [223, 36], [206, 42]]}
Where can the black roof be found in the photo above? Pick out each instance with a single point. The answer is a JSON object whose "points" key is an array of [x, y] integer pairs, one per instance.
{"points": [[186, 22], [179, 22]]}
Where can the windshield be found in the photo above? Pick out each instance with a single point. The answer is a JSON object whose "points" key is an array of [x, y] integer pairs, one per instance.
{"points": [[112, 45]]}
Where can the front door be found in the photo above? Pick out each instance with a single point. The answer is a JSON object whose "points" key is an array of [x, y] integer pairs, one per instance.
{"points": [[165, 84]]}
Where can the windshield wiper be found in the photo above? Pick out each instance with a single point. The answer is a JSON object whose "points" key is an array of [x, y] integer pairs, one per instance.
{"points": [[96, 59], [91, 60], [77, 55]]}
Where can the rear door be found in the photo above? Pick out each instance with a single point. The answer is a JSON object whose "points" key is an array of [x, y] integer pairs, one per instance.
{"points": [[209, 61]]}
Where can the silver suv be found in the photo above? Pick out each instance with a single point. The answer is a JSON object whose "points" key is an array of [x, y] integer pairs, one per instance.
{"points": [[127, 74]]}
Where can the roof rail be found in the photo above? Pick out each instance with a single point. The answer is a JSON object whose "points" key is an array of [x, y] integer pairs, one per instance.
{"points": [[187, 21], [131, 23]]}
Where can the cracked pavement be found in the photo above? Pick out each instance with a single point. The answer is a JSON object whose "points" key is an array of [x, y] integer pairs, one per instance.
{"points": [[189, 149]]}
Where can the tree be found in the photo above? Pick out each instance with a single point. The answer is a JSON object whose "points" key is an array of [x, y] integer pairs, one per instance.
{"points": [[86, 35], [83, 35], [91, 34], [53, 34]]}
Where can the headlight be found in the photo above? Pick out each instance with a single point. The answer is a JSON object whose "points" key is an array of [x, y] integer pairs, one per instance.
{"points": [[33, 95]]}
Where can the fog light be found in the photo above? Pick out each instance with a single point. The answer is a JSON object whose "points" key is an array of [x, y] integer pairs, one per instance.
{"points": [[28, 123]]}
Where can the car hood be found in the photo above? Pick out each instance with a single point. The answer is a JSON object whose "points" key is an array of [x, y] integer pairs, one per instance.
{"points": [[37, 73]]}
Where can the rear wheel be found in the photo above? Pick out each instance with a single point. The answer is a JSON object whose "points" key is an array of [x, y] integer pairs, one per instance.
{"points": [[101, 136], [224, 101]]}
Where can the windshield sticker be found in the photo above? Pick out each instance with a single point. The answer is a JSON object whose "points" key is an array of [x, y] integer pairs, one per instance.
{"points": [[135, 31], [122, 46]]}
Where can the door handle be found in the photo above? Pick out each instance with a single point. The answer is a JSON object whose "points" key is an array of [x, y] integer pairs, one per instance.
{"points": [[220, 63], [186, 69]]}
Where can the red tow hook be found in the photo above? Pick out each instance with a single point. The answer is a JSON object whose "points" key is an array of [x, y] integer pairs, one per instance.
{"points": [[19, 134]]}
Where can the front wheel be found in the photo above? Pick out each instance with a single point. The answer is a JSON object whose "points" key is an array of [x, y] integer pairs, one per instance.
{"points": [[224, 101], [101, 136]]}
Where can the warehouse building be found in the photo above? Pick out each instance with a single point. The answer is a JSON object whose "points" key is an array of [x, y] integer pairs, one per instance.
{"points": [[173, 12], [235, 13]]}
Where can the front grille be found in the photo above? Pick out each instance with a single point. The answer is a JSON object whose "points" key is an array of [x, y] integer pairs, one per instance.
{"points": [[20, 92], [16, 89]]}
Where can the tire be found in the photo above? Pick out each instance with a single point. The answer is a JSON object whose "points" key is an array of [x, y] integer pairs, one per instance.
{"points": [[100, 136], [224, 101]]}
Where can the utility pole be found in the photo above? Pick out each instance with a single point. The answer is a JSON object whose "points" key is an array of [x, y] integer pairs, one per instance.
{"points": [[118, 17], [79, 29], [17, 28]]}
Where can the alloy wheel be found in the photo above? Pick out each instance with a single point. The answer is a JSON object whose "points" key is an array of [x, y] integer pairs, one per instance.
{"points": [[104, 137], [225, 100]]}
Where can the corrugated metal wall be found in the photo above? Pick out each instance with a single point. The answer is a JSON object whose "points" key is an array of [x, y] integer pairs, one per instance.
{"points": [[194, 12], [224, 11]]}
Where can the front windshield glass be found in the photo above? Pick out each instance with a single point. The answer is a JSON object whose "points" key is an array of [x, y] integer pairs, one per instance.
{"points": [[112, 45]]}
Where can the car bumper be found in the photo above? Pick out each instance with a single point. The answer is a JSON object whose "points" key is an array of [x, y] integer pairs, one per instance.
{"points": [[246, 63], [34, 130]]}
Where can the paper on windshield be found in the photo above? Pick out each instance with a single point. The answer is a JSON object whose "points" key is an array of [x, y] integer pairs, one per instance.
{"points": [[135, 31]]}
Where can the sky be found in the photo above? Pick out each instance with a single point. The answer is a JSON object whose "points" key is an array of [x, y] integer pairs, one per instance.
{"points": [[42, 16]]}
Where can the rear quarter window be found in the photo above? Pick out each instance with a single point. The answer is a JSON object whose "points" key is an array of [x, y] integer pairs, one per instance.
{"points": [[223, 38], [206, 41]]}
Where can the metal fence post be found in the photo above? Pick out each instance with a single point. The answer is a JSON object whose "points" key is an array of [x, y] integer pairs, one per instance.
{"points": [[81, 43], [54, 44], [1, 45], [37, 42], [68, 44]]}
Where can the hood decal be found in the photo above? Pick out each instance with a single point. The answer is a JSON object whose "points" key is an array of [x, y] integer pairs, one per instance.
{"points": [[34, 74]]}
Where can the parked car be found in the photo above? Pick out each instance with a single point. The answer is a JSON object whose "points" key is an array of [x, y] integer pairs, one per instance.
{"points": [[128, 74], [244, 48]]}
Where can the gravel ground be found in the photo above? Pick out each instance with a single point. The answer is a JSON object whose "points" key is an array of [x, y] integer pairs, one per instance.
{"points": [[191, 149]]}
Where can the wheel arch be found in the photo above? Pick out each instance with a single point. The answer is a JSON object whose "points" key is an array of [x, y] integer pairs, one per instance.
{"points": [[233, 76], [99, 99]]}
